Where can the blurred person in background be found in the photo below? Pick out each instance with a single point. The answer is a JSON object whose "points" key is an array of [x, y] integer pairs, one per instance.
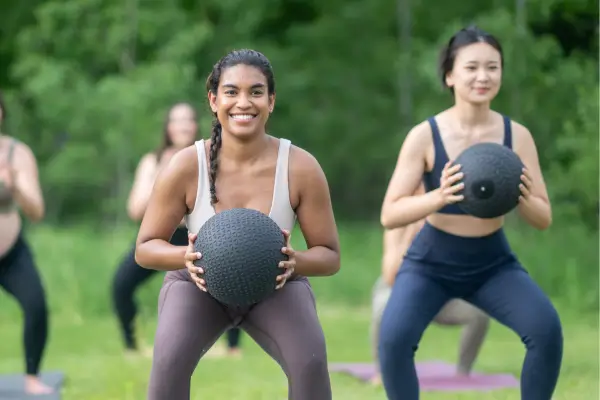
{"points": [[455, 313], [180, 131], [20, 193]]}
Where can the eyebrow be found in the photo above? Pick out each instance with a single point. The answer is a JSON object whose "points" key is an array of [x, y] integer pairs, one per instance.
{"points": [[232, 86], [488, 62]]}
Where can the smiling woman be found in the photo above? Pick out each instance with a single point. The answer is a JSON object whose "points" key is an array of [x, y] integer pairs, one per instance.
{"points": [[253, 170], [456, 255]]}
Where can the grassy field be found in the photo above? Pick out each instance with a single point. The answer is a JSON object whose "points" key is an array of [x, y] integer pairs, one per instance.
{"points": [[96, 369], [77, 265]]}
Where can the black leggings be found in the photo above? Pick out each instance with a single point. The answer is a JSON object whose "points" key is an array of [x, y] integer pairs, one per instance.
{"points": [[19, 277], [128, 277]]}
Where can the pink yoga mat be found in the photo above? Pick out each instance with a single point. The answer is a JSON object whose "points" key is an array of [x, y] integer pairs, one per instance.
{"points": [[436, 376]]}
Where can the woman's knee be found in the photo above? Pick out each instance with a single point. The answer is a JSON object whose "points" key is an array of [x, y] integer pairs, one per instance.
{"points": [[480, 319], [35, 309], [307, 362], [545, 332], [398, 339], [121, 290]]}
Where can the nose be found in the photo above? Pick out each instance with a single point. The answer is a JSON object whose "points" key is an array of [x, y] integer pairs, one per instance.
{"points": [[482, 75], [243, 101]]}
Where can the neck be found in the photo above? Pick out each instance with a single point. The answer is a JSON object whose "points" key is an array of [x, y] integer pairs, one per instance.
{"points": [[174, 147], [241, 151], [470, 115]]}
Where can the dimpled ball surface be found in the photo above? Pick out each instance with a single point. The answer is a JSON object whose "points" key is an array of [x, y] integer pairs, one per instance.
{"points": [[241, 251], [492, 175]]}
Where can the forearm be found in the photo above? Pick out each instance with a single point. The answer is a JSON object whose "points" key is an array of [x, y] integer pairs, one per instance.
{"points": [[536, 212], [410, 209], [160, 255], [31, 204], [317, 261]]}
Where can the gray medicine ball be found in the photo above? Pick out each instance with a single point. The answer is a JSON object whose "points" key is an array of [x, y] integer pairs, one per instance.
{"points": [[241, 251], [492, 175]]}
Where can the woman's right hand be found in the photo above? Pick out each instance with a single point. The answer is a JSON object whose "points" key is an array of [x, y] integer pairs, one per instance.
{"points": [[448, 184], [190, 256]]}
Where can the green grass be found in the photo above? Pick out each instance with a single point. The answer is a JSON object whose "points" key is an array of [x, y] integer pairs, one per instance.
{"points": [[90, 354], [77, 265]]}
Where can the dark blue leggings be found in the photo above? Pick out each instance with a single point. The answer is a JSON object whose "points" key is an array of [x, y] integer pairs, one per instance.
{"points": [[483, 271]]}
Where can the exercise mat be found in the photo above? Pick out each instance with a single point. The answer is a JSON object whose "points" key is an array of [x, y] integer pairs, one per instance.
{"points": [[12, 386], [436, 376]]}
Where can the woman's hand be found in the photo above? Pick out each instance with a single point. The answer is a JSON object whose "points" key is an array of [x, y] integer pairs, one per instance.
{"points": [[448, 187], [190, 256], [526, 186], [290, 264]]}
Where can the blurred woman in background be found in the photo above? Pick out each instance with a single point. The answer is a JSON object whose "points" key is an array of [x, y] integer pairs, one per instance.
{"points": [[180, 131], [20, 191]]}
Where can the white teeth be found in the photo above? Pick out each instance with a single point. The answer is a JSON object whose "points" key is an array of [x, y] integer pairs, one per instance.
{"points": [[242, 116]]}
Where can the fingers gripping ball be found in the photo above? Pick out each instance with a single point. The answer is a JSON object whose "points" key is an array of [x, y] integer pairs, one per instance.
{"points": [[241, 251], [492, 175]]}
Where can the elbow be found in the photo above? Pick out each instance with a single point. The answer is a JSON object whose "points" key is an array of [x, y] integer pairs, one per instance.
{"points": [[384, 218], [336, 265], [38, 214], [134, 214], [387, 221], [139, 255], [545, 223]]}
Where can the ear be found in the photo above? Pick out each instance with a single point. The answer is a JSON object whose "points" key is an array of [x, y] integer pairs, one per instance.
{"points": [[212, 101], [449, 80], [271, 102]]}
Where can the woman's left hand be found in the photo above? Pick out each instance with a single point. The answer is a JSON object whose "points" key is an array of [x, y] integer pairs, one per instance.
{"points": [[526, 186], [290, 264]]}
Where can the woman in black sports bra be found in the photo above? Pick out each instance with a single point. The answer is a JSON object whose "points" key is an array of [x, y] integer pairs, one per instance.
{"points": [[456, 255]]}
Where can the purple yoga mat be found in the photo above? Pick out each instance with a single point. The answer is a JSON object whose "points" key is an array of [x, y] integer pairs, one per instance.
{"points": [[436, 376]]}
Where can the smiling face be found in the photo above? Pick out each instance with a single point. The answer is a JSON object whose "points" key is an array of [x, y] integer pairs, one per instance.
{"points": [[242, 102], [476, 75], [181, 125]]}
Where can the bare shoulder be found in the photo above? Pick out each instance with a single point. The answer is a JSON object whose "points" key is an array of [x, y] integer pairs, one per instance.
{"points": [[522, 137], [419, 136], [184, 162], [148, 159], [22, 153], [304, 165]]}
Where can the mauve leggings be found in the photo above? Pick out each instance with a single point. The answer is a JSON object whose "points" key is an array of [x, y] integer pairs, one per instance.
{"points": [[285, 325]]}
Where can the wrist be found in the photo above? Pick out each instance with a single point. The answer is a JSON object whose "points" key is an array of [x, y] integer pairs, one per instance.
{"points": [[436, 199]]}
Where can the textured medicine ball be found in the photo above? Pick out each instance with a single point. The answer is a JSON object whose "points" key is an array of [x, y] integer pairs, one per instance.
{"points": [[241, 251], [492, 175]]}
